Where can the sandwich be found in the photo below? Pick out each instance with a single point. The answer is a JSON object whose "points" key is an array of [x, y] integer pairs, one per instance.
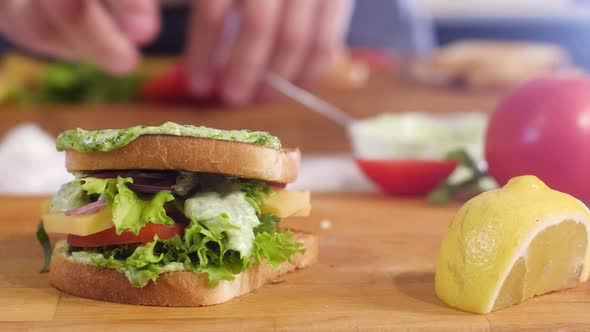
{"points": [[174, 215]]}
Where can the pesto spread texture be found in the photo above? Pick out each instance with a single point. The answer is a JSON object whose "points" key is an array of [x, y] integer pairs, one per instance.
{"points": [[111, 139]]}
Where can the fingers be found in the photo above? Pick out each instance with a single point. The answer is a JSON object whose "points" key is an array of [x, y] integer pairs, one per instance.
{"points": [[92, 34], [294, 38], [332, 19], [205, 33], [259, 21], [297, 39], [27, 24], [138, 19], [70, 29]]}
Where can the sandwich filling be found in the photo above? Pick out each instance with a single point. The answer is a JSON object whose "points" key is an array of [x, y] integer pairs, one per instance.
{"points": [[111, 139], [145, 223]]}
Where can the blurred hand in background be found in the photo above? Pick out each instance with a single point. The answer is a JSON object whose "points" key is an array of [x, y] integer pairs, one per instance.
{"points": [[294, 38], [106, 32]]}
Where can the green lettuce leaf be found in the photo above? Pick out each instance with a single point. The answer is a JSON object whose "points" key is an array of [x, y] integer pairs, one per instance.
{"points": [[154, 210], [144, 255], [217, 273], [139, 267], [98, 186], [101, 261], [225, 208], [255, 192], [106, 188], [127, 210], [217, 227], [142, 266], [275, 248], [130, 212], [206, 246]]}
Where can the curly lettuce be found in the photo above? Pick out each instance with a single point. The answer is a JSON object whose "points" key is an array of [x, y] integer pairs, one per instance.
{"points": [[130, 212], [255, 192], [203, 249]]}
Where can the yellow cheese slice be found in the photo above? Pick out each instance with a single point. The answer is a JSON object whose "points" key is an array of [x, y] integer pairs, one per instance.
{"points": [[58, 222], [286, 203], [305, 212], [46, 206]]}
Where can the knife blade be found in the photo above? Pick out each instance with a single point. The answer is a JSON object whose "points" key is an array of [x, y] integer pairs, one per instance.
{"points": [[308, 99]]}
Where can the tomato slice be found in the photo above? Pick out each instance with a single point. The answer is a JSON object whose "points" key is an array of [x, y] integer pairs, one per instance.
{"points": [[407, 177], [109, 236], [171, 87], [277, 185]]}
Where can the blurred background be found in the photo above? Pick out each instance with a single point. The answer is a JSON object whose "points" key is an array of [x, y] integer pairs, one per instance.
{"points": [[424, 57]]}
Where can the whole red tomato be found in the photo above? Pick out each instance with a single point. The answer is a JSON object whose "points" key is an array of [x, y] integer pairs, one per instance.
{"points": [[543, 128]]}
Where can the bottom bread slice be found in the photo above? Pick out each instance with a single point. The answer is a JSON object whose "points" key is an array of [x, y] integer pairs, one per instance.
{"points": [[174, 289]]}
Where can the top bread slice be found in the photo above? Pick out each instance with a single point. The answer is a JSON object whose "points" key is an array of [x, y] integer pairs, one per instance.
{"points": [[167, 152]]}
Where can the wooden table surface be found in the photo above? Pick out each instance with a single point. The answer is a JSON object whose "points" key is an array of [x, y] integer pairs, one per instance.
{"points": [[376, 272]]}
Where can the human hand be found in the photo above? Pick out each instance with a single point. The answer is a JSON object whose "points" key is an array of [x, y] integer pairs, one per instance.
{"points": [[105, 32], [294, 38]]}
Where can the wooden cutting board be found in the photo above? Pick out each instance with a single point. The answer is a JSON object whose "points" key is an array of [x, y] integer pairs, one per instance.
{"points": [[376, 272]]}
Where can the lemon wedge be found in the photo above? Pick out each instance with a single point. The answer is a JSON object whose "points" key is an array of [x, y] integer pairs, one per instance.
{"points": [[508, 245]]}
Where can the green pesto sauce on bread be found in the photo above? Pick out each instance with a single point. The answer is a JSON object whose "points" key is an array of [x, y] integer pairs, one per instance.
{"points": [[111, 139]]}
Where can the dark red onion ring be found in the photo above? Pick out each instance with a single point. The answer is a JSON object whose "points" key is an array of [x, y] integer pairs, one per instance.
{"points": [[146, 188], [136, 175]]}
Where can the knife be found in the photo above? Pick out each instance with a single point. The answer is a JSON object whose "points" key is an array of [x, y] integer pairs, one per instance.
{"points": [[308, 99]]}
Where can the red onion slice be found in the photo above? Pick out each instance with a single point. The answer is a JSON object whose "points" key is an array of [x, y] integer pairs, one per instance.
{"points": [[146, 188], [136, 175], [86, 209]]}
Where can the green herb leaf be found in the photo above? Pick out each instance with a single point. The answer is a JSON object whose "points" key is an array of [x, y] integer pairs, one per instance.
{"points": [[46, 244], [447, 191]]}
